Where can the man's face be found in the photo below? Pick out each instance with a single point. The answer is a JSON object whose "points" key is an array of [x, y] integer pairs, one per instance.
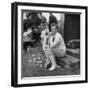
{"points": [[53, 30]]}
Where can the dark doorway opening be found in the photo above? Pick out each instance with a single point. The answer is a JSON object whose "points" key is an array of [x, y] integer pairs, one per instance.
{"points": [[71, 27]]}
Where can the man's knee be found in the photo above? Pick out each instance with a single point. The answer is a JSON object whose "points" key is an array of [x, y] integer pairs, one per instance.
{"points": [[59, 53]]}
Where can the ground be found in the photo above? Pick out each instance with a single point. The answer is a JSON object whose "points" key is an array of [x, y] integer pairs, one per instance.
{"points": [[34, 60]]}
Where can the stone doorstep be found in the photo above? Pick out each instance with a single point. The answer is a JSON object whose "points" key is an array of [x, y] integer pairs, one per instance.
{"points": [[69, 62], [74, 52]]}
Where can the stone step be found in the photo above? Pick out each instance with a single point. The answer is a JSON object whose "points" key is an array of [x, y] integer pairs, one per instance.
{"points": [[69, 62], [74, 52]]}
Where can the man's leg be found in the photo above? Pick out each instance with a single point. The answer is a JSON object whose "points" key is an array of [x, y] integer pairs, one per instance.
{"points": [[59, 52], [53, 62], [51, 59]]}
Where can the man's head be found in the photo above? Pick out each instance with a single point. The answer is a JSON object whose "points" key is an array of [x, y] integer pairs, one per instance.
{"points": [[54, 28]]}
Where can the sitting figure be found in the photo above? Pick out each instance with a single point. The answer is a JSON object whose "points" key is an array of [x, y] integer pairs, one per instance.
{"points": [[56, 46]]}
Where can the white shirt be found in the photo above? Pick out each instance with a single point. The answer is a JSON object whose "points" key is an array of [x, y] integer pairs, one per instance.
{"points": [[58, 41]]}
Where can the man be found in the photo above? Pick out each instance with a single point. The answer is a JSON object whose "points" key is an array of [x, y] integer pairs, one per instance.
{"points": [[52, 19], [56, 46]]}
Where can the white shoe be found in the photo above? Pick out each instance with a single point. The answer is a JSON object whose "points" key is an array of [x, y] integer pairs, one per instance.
{"points": [[53, 68]]}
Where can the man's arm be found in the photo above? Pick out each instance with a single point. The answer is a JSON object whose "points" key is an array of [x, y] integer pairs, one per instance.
{"points": [[55, 42]]}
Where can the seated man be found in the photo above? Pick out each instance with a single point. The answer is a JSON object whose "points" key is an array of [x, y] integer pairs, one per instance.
{"points": [[56, 46]]}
